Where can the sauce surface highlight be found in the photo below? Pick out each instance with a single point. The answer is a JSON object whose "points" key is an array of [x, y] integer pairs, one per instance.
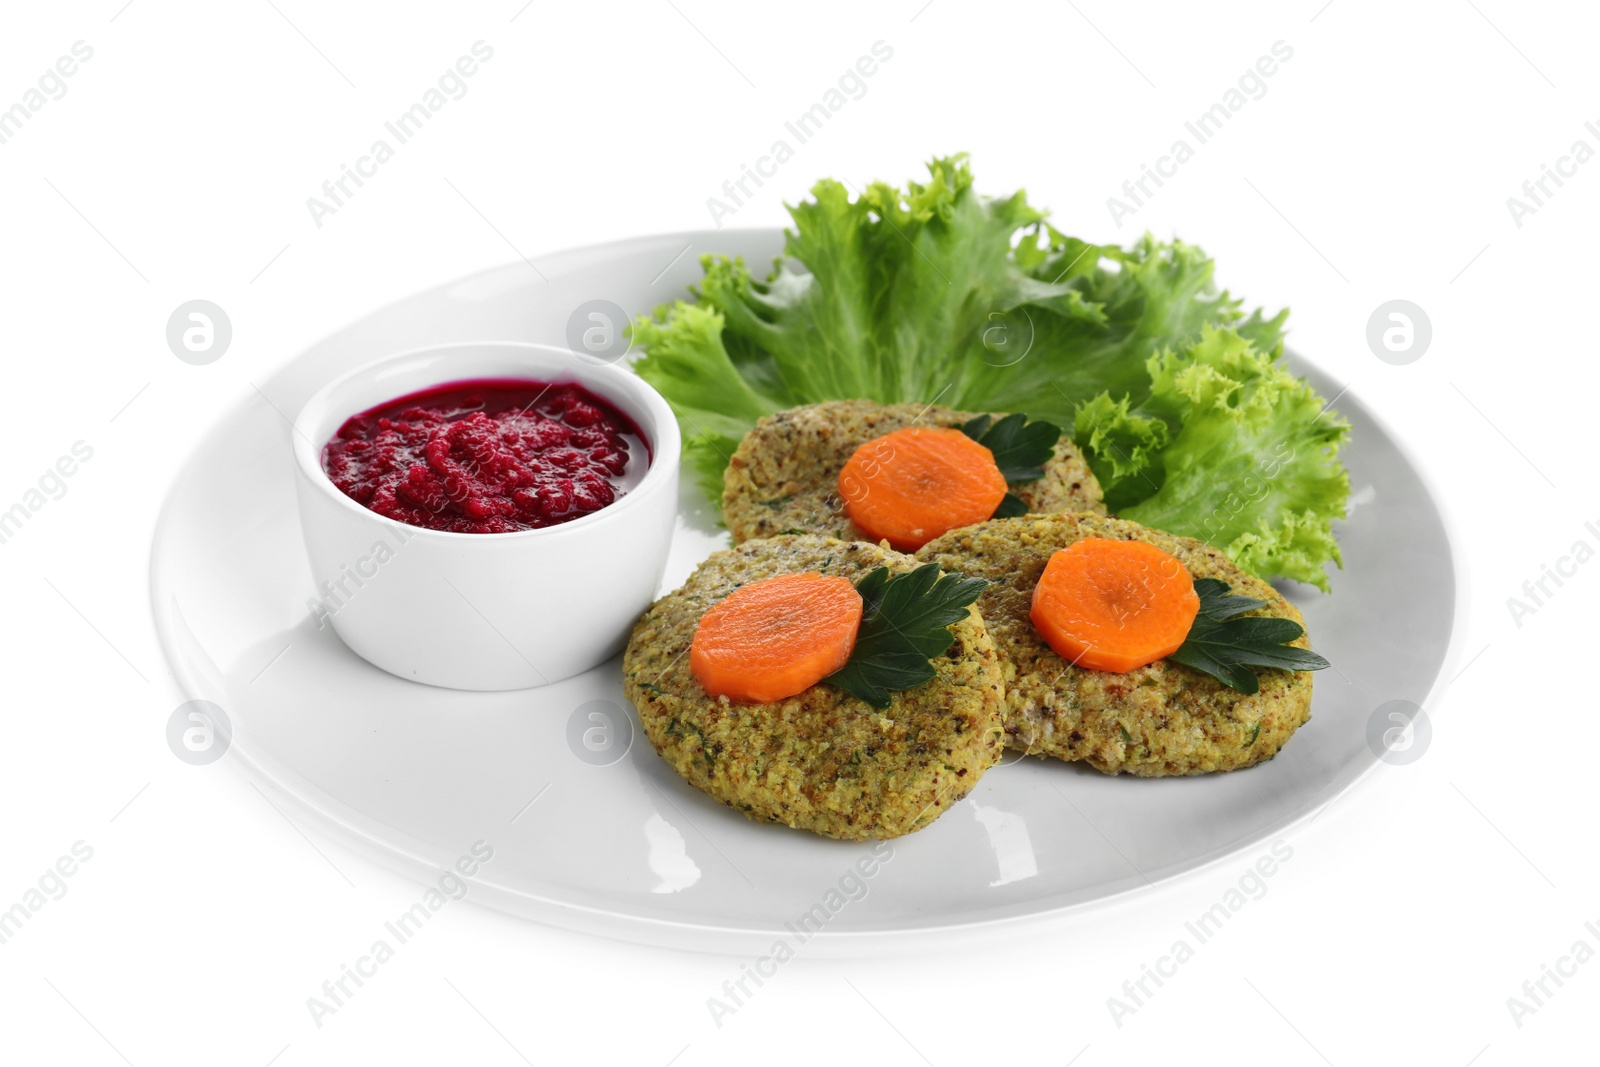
{"points": [[488, 456]]}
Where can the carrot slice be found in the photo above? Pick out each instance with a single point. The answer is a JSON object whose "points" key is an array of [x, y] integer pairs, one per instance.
{"points": [[1114, 605], [776, 637], [916, 483]]}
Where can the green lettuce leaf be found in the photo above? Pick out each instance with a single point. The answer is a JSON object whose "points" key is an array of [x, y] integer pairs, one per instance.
{"points": [[716, 403], [1251, 459], [935, 294]]}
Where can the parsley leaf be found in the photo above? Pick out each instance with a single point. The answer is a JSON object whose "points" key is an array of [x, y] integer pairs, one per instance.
{"points": [[1010, 507], [1021, 448], [905, 622], [1226, 647], [1218, 603]]}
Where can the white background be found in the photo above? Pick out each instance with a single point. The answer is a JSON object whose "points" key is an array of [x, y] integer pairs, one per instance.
{"points": [[1377, 166]]}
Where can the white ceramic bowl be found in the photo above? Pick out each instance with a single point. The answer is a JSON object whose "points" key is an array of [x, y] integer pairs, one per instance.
{"points": [[485, 611]]}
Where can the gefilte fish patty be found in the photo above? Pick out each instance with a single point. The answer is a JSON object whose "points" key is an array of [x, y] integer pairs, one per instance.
{"points": [[784, 476], [822, 760], [1161, 719]]}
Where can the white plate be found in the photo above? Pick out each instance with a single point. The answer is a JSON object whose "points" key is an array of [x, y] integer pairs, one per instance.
{"points": [[414, 775]]}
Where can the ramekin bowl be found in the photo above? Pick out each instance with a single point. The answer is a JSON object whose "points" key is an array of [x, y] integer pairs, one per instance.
{"points": [[489, 611]]}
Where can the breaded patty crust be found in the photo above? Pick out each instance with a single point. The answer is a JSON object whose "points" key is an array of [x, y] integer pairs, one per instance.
{"points": [[822, 760], [784, 476], [1161, 719]]}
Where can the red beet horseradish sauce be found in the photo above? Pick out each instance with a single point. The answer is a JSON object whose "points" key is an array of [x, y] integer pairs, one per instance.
{"points": [[488, 456]]}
